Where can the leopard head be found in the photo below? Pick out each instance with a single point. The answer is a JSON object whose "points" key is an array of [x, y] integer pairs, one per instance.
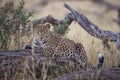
{"points": [[41, 33]]}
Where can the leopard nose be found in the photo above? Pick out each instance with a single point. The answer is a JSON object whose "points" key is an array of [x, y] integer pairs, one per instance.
{"points": [[40, 39]]}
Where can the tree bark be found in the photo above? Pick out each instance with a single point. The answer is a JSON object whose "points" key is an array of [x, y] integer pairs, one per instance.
{"points": [[98, 74]]}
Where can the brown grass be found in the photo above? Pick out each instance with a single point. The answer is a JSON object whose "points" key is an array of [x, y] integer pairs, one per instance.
{"points": [[96, 13]]}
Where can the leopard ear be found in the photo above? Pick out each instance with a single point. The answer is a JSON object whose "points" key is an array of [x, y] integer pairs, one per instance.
{"points": [[48, 26]]}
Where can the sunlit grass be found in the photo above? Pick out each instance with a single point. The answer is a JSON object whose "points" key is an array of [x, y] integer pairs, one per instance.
{"points": [[92, 45]]}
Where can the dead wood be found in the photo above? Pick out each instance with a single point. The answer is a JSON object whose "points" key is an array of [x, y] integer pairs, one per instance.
{"points": [[20, 62], [93, 29], [100, 74]]}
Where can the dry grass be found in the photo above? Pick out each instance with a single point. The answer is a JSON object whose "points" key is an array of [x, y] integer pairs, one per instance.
{"points": [[96, 13]]}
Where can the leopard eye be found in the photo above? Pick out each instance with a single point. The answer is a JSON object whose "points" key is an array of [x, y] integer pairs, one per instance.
{"points": [[44, 42]]}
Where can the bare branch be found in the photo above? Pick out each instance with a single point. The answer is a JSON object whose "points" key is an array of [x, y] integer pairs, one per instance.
{"points": [[53, 21], [60, 26], [93, 29]]}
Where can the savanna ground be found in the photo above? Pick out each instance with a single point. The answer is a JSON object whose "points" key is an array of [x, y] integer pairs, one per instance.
{"points": [[99, 14]]}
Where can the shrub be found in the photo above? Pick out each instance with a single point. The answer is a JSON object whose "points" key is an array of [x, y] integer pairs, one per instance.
{"points": [[61, 29], [11, 22]]}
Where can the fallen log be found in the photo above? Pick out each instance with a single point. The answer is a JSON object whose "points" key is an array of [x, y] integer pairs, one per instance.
{"points": [[20, 62], [98, 74], [17, 57]]}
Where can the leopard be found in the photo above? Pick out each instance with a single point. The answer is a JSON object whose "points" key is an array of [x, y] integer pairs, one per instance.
{"points": [[59, 47]]}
